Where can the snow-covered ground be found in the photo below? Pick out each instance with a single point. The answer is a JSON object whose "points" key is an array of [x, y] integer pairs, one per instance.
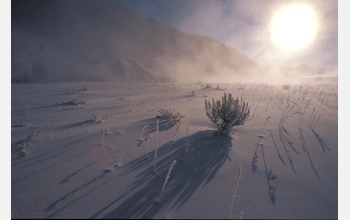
{"points": [[72, 168]]}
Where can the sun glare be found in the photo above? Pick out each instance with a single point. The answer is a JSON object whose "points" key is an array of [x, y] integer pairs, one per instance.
{"points": [[293, 28]]}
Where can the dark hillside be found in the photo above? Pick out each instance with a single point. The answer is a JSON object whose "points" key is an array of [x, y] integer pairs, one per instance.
{"points": [[107, 41]]}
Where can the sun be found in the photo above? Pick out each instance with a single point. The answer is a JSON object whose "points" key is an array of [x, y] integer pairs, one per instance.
{"points": [[294, 27]]}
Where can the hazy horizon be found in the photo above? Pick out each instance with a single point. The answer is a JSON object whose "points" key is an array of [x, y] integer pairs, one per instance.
{"points": [[111, 41], [244, 25]]}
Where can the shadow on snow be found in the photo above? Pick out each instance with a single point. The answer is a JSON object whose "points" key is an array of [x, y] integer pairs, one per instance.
{"points": [[205, 155], [152, 123]]}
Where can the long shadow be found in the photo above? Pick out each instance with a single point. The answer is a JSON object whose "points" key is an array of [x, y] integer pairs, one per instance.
{"points": [[203, 160], [269, 177], [34, 108], [152, 122], [323, 145], [65, 180], [305, 149], [255, 157], [289, 142], [60, 148], [71, 193], [78, 198], [52, 149], [287, 152], [279, 155], [16, 152], [55, 164], [46, 106], [50, 207], [75, 125], [48, 167]]}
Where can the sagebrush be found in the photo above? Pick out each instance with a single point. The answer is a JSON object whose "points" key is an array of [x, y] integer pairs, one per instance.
{"points": [[35, 134], [172, 116], [95, 118], [227, 113]]}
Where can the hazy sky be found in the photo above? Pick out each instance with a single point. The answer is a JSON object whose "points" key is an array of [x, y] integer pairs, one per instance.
{"points": [[246, 26]]}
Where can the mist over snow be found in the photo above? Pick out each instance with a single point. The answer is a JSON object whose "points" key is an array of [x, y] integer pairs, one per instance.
{"points": [[106, 41], [246, 26]]}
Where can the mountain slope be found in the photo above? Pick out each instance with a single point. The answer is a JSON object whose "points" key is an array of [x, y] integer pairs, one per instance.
{"points": [[106, 41]]}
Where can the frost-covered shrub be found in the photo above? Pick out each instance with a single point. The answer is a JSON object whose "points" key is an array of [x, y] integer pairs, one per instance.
{"points": [[227, 113], [218, 87], [172, 116], [208, 86], [95, 118], [74, 100], [191, 94], [26, 107], [35, 134], [19, 124]]}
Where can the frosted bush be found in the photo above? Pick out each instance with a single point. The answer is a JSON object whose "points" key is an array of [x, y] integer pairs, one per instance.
{"points": [[218, 87], [26, 107], [208, 86], [95, 118], [227, 113], [19, 124], [172, 116], [74, 100], [23, 151], [35, 134]]}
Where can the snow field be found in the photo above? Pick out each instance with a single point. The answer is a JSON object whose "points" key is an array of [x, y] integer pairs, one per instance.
{"points": [[69, 172]]}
